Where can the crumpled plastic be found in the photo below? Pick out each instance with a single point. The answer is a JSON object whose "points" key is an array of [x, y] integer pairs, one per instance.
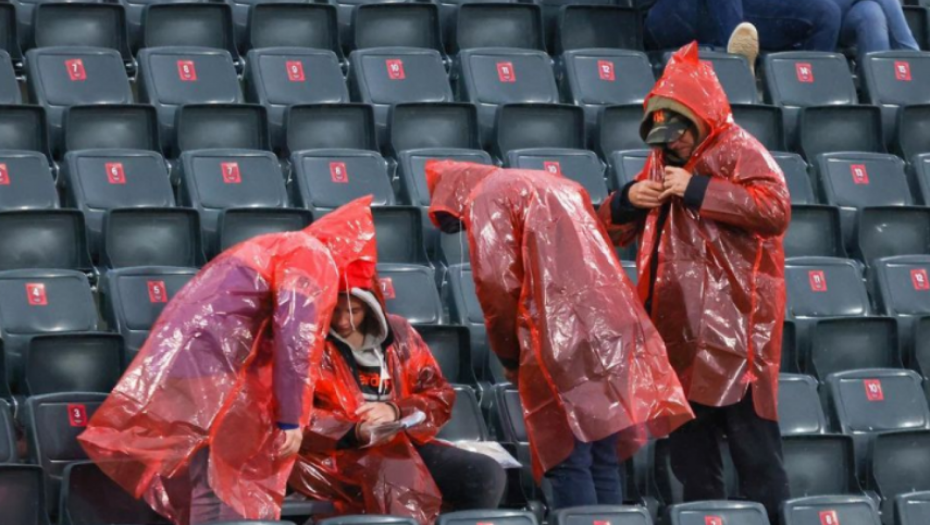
{"points": [[389, 477], [232, 355], [556, 301], [719, 297]]}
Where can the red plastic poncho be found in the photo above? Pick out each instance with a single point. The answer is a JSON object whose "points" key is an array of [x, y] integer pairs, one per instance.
{"points": [[719, 295], [558, 304], [231, 356], [388, 478]]}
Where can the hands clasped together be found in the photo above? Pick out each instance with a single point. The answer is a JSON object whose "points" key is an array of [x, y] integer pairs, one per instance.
{"points": [[652, 194]]}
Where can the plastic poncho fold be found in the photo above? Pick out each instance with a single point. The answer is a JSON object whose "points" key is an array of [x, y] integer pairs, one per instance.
{"points": [[719, 294], [387, 478], [231, 356], [558, 304]]}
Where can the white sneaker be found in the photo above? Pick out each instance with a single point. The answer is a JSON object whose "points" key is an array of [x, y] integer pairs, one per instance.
{"points": [[745, 41]]}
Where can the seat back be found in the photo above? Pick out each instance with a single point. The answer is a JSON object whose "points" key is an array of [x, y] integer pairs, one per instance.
{"points": [[330, 126], [195, 24], [814, 231], [450, 347], [799, 182], [221, 126], [624, 167], [22, 494], [856, 510], [892, 80], [618, 130], [857, 180], [9, 34], [310, 26], [744, 513], [599, 77], [9, 88], [325, 179], [8, 453], [466, 423], [589, 26], [26, 182], [820, 465], [825, 287], [485, 25], [829, 129], [367, 519], [24, 128], [799, 410], [911, 227], [580, 166], [89, 497], [464, 309], [734, 75], [241, 224], [399, 233], [900, 465], [432, 125], [525, 126], [612, 514], [765, 123], [843, 344], [86, 362], [510, 417], [111, 126], [84, 24], [410, 291], [913, 131], [397, 25], [412, 169], [497, 517], [43, 239], [151, 237], [902, 285], [912, 508]]}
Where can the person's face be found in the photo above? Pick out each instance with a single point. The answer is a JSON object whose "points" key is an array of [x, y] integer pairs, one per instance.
{"points": [[348, 315], [683, 146]]}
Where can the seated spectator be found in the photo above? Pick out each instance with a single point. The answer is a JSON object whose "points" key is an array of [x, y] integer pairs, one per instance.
{"points": [[874, 25], [375, 371]]}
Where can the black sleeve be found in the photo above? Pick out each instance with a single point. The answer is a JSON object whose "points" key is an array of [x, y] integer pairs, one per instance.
{"points": [[694, 193]]}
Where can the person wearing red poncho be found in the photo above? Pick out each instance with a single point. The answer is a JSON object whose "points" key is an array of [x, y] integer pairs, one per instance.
{"points": [[565, 322], [710, 209], [206, 422]]}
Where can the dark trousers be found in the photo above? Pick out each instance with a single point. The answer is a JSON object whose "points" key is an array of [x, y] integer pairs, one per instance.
{"points": [[206, 507], [755, 445], [590, 476], [466, 480]]}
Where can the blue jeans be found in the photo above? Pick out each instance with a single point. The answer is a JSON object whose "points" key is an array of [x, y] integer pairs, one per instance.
{"points": [[812, 25], [875, 25], [590, 476]]}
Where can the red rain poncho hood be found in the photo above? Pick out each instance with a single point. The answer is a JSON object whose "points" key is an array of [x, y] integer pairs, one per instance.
{"points": [[719, 295], [232, 355], [559, 308]]}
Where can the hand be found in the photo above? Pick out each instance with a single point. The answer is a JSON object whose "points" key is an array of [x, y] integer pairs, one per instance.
{"points": [[646, 194], [292, 440], [377, 413], [676, 182], [365, 433]]}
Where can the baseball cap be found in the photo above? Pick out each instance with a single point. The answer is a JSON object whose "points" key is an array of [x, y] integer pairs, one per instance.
{"points": [[667, 126]]}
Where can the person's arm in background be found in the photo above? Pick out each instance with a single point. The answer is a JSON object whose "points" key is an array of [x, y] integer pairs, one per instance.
{"points": [[430, 393]]}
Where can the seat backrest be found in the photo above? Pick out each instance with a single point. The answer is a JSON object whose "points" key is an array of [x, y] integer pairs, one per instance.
{"points": [[894, 77], [8, 453], [22, 494], [602, 514], [330, 126], [466, 423], [497, 517], [524, 126], [831, 509], [397, 25], [26, 182], [464, 309], [87, 362], [902, 285], [920, 166], [311, 26], [580, 166], [367, 519], [110, 126], [734, 75], [43, 239], [9, 37], [151, 237], [913, 137], [828, 129], [400, 234], [814, 231], [912, 508], [799, 410], [808, 78], [221, 126], [718, 512], [866, 402], [918, 21], [133, 298], [825, 287], [196, 24], [765, 123], [393, 75], [410, 291], [241, 224], [509, 409], [24, 128], [432, 125], [911, 227], [9, 88], [900, 464], [596, 27], [624, 167], [618, 130], [820, 465], [450, 347], [484, 25], [844, 344], [89, 497], [598, 77], [799, 182], [326, 179], [858, 180], [84, 24], [412, 169], [45, 301]]}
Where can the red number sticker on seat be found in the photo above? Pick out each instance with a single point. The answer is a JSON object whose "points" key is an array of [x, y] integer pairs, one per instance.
{"points": [[76, 70], [187, 71], [859, 174], [395, 69], [553, 167], [505, 72], [231, 173], [805, 72], [713, 520], [4, 175], [873, 390], [919, 279], [157, 292], [605, 70], [115, 173], [387, 287], [295, 71], [829, 517], [35, 293], [77, 415], [338, 172], [902, 71], [818, 280]]}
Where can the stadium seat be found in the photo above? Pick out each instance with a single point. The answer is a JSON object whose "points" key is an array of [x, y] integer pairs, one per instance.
{"points": [[89, 497], [581, 166], [854, 181], [799, 407], [367, 519], [917, 355], [10, 42], [796, 80], [34, 302], [498, 25], [173, 76], [892, 231], [398, 230], [83, 24], [221, 126], [592, 25], [241, 224], [893, 79], [22, 495], [453, 249], [614, 515], [133, 298], [85, 362], [842, 344], [624, 167], [280, 77], [464, 309], [497, 517], [630, 268], [405, 24], [913, 131], [24, 128], [451, 347], [765, 123], [717, 512], [466, 423], [825, 287], [920, 170], [99, 180], [490, 78], [329, 126], [9, 87], [43, 239], [820, 465], [214, 180], [8, 452], [410, 291], [900, 288], [190, 24], [900, 464], [854, 510], [789, 347], [111, 126], [829, 129], [594, 78], [26, 181], [918, 20], [61, 77], [151, 237], [309, 26], [53, 423], [799, 182], [510, 429], [866, 402], [816, 231], [618, 130], [912, 508], [325, 179], [734, 75], [387, 76]]}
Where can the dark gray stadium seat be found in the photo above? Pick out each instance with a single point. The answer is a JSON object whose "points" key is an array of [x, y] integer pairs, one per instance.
{"points": [[912, 508], [894, 79], [490, 78], [510, 429], [614, 515], [799, 407], [9, 32], [918, 20], [618, 130], [624, 167], [828, 129], [280, 77], [453, 249], [53, 423], [581, 166], [367, 519], [324, 179], [594, 78], [82, 24], [765, 123], [825, 287], [841, 344], [26, 182], [111, 126], [24, 128], [43, 239], [410, 291], [498, 25], [97, 181], [820, 465], [174, 76], [8, 452], [913, 131], [789, 347], [221, 126], [464, 309], [241, 224], [799, 182], [329, 126], [900, 465], [920, 169], [309, 26], [85, 362], [22, 495], [412, 169], [450, 347], [497, 517], [900, 288], [466, 423], [814, 230], [404, 24], [190, 24], [593, 25], [891, 231], [151, 237], [89, 497], [399, 234], [133, 298], [717, 513], [835, 510], [734, 75], [9, 87]]}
